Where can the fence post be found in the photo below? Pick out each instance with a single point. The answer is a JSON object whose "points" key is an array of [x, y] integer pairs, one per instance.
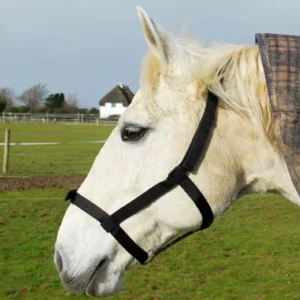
{"points": [[6, 150]]}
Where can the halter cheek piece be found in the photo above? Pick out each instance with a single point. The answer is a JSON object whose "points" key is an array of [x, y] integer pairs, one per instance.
{"points": [[178, 176]]}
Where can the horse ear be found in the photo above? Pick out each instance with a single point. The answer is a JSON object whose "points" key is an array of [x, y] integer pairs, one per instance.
{"points": [[156, 37]]}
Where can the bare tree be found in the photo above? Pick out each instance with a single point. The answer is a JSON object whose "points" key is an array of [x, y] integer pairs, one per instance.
{"points": [[72, 101], [35, 96], [7, 95]]}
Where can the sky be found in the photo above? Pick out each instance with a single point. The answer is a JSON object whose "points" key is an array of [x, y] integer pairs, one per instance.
{"points": [[86, 47]]}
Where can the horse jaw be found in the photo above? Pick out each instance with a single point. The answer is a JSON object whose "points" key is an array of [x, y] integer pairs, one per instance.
{"points": [[269, 173]]}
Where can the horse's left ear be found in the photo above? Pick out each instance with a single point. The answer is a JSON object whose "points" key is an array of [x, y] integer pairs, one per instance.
{"points": [[156, 37]]}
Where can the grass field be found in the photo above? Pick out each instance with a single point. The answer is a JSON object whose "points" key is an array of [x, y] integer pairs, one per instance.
{"points": [[61, 159], [252, 252]]}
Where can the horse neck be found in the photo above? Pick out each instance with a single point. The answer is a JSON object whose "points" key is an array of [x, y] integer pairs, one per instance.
{"points": [[260, 161], [266, 171]]}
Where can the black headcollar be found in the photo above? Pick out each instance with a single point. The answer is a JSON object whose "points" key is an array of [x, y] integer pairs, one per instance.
{"points": [[178, 176]]}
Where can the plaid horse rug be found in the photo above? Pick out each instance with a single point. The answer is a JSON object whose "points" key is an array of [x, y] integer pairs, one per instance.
{"points": [[280, 55]]}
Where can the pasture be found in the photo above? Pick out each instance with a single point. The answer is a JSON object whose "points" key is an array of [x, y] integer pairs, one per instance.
{"points": [[251, 252], [73, 156]]}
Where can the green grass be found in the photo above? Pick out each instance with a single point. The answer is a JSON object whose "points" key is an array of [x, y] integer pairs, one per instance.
{"points": [[53, 159], [55, 132], [252, 252]]}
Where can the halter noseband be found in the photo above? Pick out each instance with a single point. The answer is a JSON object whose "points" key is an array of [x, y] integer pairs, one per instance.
{"points": [[178, 176]]}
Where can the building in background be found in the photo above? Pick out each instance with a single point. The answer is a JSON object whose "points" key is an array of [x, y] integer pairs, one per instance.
{"points": [[114, 103]]}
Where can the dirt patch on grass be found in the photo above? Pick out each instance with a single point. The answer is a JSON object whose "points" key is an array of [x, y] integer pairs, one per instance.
{"points": [[23, 183]]}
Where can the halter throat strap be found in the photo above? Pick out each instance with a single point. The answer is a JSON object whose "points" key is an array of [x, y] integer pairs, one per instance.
{"points": [[178, 176]]}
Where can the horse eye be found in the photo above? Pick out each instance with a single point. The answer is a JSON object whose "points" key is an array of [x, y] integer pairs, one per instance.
{"points": [[132, 133]]}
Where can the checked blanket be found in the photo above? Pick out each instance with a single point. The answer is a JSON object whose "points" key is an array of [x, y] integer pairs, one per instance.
{"points": [[280, 55]]}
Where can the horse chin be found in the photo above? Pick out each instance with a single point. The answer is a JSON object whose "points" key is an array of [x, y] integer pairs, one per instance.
{"points": [[99, 286], [96, 281], [105, 280]]}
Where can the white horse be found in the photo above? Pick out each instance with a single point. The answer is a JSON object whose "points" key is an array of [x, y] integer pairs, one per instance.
{"points": [[151, 138]]}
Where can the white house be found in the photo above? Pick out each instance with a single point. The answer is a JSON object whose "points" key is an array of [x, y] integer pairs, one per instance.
{"points": [[113, 104]]}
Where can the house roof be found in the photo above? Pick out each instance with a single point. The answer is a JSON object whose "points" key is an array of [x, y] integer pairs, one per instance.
{"points": [[119, 94]]}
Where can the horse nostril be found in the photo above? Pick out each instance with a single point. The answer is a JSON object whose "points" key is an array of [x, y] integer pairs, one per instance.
{"points": [[58, 262]]}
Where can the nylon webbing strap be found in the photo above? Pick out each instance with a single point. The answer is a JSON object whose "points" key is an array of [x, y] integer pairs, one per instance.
{"points": [[100, 215], [137, 205], [178, 176], [200, 201], [86, 205], [201, 136], [129, 245]]}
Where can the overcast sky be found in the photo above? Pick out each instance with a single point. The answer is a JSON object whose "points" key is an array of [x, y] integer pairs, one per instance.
{"points": [[87, 46]]}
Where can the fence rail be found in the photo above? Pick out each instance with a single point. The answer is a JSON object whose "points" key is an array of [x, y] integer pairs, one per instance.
{"points": [[6, 118]]}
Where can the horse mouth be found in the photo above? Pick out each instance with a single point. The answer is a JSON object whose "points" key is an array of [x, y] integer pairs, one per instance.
{"points": [[102, 282], [97, 269], [80, 285]]}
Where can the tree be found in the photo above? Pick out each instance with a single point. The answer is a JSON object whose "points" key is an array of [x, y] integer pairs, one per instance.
{"points": [[72, 103], [19, 109], [7, 97], [55, 101], [94, 111], [34, 97], [2, 105]]}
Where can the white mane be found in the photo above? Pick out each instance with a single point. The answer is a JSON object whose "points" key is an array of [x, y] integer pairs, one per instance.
{"points": [[232, 72]]}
